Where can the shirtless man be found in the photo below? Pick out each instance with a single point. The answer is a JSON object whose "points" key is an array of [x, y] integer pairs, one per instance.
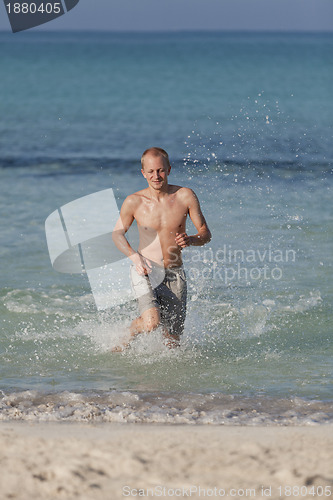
{"points": [[160, 211]]}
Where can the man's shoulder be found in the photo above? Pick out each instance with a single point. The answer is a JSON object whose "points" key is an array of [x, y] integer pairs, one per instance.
{"points": [[135, 199], [184, 193], [137, 196]]}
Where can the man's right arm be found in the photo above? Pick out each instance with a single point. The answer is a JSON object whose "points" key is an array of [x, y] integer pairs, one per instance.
{"points": [[122, 226]]}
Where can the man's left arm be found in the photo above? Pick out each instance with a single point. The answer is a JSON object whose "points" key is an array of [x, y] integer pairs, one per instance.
{"points": [[203, 235]]}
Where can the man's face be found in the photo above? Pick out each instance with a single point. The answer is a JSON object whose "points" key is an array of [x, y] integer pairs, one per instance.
{"points": [[156, 171]]}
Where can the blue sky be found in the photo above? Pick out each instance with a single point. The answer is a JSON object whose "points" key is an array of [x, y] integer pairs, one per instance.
{"points": [[143, 15]]}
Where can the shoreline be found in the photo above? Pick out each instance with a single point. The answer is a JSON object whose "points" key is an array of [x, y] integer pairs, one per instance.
{"points": [[169, 408], [114, 461]]}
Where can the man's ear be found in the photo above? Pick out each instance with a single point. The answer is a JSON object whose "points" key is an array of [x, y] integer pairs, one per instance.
{"points": [[169, 170], [143, 173]]}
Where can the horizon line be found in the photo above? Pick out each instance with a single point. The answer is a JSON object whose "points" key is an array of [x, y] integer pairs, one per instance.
{"points": [[171, 30]]}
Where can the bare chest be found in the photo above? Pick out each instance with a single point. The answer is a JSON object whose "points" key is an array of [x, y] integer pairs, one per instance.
{"points": [[170, 215]]}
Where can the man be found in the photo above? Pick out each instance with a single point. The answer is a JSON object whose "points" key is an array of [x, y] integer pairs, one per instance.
{"points": [[157, 274]]}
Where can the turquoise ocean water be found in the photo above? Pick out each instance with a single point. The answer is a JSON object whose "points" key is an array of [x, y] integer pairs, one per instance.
{"points": [[247, 121]]}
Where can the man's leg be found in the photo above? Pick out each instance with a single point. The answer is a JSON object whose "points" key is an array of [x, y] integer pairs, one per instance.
{"points": [[174, 304], [147, 322]]}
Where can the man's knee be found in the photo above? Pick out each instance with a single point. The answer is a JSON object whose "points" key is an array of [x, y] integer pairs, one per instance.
{"points": [[151, 323], [151, 320]]}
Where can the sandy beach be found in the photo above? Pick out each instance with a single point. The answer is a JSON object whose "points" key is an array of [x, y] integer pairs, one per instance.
{"points": [[113, 461]]}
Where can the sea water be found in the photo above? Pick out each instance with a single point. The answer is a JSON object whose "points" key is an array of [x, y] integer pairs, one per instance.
{"points": [[247, 121]]}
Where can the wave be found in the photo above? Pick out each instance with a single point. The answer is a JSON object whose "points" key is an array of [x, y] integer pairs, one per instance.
{"points": [[52, 166], [162, 408]]}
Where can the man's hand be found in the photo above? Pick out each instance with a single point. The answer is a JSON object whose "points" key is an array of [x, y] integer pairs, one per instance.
{"points": [[142, 265], [183, 240]]}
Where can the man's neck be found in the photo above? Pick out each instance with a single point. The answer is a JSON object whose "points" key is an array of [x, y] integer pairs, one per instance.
{"points": [[158, 194]]}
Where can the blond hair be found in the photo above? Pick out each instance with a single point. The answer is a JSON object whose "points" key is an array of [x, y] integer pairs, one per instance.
{"points": [[155, 152]]}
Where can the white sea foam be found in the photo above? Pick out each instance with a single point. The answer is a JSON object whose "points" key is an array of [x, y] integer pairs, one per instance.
{"points": [[128, 407]]}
